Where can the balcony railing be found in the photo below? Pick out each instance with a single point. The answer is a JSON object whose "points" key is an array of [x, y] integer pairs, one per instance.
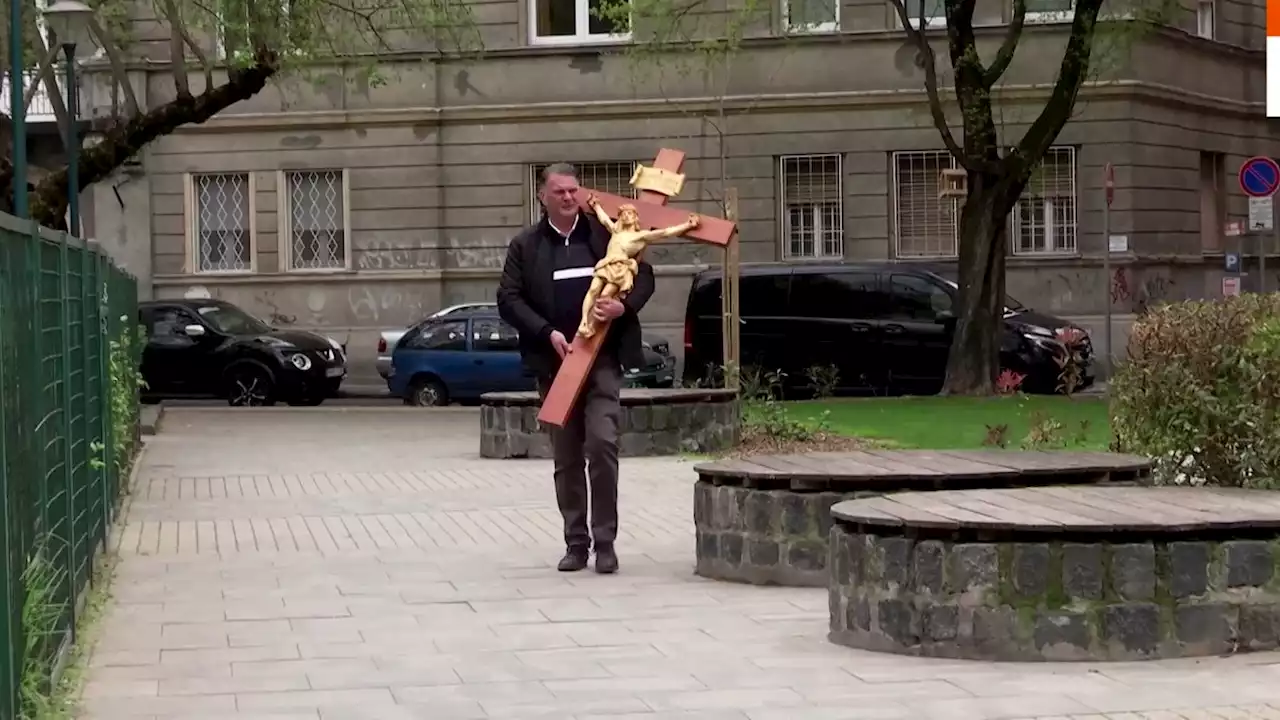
{"points": [[39, 110]]}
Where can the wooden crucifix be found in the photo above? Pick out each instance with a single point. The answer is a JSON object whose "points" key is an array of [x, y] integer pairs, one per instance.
{"points": [[655, 185]]}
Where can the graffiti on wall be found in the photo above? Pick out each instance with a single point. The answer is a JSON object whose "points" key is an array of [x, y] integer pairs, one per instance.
{"points": [[372, 305], [377, 254], [1084, 291]]}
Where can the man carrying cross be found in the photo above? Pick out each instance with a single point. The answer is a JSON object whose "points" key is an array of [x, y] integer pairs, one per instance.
{"points": [[547, 275]]}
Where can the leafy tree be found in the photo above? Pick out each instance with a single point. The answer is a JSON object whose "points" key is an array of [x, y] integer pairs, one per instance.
{"points": [[237, 46], [996, 173]]}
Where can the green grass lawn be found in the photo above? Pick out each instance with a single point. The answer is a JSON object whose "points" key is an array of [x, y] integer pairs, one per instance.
{"points": [[958, 422]]}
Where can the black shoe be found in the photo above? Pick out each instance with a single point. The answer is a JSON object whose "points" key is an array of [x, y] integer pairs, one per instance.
{"points": [[606, 560], [574, 560]]}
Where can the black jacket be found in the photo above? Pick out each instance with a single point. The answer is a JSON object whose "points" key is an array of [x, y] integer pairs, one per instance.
{"points": [[526, 298]]}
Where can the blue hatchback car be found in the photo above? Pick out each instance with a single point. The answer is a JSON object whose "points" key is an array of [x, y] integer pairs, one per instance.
{"points": [[456, 358]]}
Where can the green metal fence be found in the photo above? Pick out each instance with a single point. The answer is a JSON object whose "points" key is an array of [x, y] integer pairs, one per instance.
{"points": [[64, 307]]}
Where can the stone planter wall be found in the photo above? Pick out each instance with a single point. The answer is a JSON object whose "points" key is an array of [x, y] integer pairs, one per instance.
{"points": [[1080, 600], [763, 537], [653, 422]]}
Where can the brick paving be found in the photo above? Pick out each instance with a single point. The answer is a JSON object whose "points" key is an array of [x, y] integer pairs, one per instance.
{"points": [[363, 564]]}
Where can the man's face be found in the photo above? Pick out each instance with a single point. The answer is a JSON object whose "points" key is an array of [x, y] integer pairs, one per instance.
{"points": [[557, 196]]}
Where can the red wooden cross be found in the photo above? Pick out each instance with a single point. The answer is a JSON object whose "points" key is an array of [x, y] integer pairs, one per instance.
{"points": [[653, 212]]}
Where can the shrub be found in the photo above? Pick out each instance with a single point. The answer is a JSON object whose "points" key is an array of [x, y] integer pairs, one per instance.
{"points": [[1200, 390]]}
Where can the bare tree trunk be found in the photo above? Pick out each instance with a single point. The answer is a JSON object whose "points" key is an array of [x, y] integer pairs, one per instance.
{"points": [[975, 349]]}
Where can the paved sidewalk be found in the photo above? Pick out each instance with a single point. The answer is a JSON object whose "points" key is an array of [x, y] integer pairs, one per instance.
{"points": [[363, 564]]}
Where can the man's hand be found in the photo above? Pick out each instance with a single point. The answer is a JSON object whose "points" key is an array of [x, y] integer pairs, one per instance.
{"points": [[607, 309], [562, 346]]}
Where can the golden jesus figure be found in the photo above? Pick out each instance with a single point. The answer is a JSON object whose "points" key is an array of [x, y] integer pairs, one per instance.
{"points": [[616, 272]]}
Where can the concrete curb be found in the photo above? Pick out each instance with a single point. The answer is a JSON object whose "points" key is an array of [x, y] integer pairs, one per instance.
{"points": [[149, 418]]}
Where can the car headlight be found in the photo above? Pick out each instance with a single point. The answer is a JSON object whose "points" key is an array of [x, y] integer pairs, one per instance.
{"points": [[334, 343], [300, 361]]}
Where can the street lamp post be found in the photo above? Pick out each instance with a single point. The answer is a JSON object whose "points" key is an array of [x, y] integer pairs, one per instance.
{"points": [[68, 20]]}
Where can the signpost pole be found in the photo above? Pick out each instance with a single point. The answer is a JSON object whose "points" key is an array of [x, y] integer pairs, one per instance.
{"points": [[1109, 183], [1259, 179]]}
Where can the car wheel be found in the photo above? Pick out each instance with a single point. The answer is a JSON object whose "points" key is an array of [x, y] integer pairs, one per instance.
{"points": [[250, 386], [428, 392]]}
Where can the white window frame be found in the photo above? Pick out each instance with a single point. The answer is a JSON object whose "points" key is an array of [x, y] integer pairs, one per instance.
{"points": [[784, 217], [809, 29], [535, 169], [285, 225], [932, 21], [192, 224], [1049, 16], [1046, 212], [582, 17], [895, 189], [1212, 7]]}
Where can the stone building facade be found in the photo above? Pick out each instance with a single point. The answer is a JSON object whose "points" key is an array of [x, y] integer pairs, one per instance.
{"points": [[353, 209]]}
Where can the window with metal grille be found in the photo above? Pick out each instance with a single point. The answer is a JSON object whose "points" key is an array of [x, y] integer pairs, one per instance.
{"points": [[811, 15], [1044, 220], [812, 207], [221, 224], [606, 176], [925, 225], [316, 219]]}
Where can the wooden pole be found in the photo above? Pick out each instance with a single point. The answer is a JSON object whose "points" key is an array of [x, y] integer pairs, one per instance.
{"points": [[729, 299]]}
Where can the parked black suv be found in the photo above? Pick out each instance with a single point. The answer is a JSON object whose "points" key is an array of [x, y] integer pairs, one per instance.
{"points": [[211, 348], [886, 327]]}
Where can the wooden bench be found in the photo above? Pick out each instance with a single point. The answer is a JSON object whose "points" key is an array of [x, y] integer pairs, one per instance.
{"points": [[653, 422], [765, 519], [1058, 573]]}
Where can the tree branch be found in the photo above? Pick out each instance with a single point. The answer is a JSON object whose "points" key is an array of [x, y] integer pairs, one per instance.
{"points": [[1071, 74], [930, 80], [1010, 45], [45, 65], [108, 45], [49, 201], [177, 53]]}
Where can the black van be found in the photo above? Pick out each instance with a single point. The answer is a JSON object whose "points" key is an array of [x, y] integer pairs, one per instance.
{"points": [[886, 327]]}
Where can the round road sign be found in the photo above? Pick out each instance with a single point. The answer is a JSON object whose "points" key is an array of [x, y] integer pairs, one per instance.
{"points": [[1259, 177]]}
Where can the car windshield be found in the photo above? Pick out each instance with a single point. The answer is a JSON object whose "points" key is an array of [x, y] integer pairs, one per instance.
{"points": [[1011, 303], [232, 320]]}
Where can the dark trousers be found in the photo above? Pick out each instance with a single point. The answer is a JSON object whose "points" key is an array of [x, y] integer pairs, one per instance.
{"points": [[586, 455]]}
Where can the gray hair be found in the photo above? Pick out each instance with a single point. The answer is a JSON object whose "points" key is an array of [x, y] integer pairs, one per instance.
{"points": [[561, 168]]}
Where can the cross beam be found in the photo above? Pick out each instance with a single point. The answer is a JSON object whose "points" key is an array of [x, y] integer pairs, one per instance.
{"points": [[653, 212]]}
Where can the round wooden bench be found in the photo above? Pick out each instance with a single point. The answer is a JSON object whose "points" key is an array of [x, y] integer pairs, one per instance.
{"points": [[1058, 573], [653, 422], [765, 519]]}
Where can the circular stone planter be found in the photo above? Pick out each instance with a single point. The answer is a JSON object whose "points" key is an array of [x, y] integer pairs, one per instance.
{"points": [[653, 422], [1079, 573], [765, 520]]}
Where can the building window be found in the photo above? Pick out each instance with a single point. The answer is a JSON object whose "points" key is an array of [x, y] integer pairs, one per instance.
{"points": [[811, 16], [934, 13], [925, 225], [608, 176], [1213, 200], [221, 212], [812, 207], [1046, 11], [1044, 220], [575, 22], [314, 219], [1205, 19]]}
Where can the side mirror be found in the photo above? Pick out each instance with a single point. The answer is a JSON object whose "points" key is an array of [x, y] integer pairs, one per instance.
{"points": [[194, 331]]}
